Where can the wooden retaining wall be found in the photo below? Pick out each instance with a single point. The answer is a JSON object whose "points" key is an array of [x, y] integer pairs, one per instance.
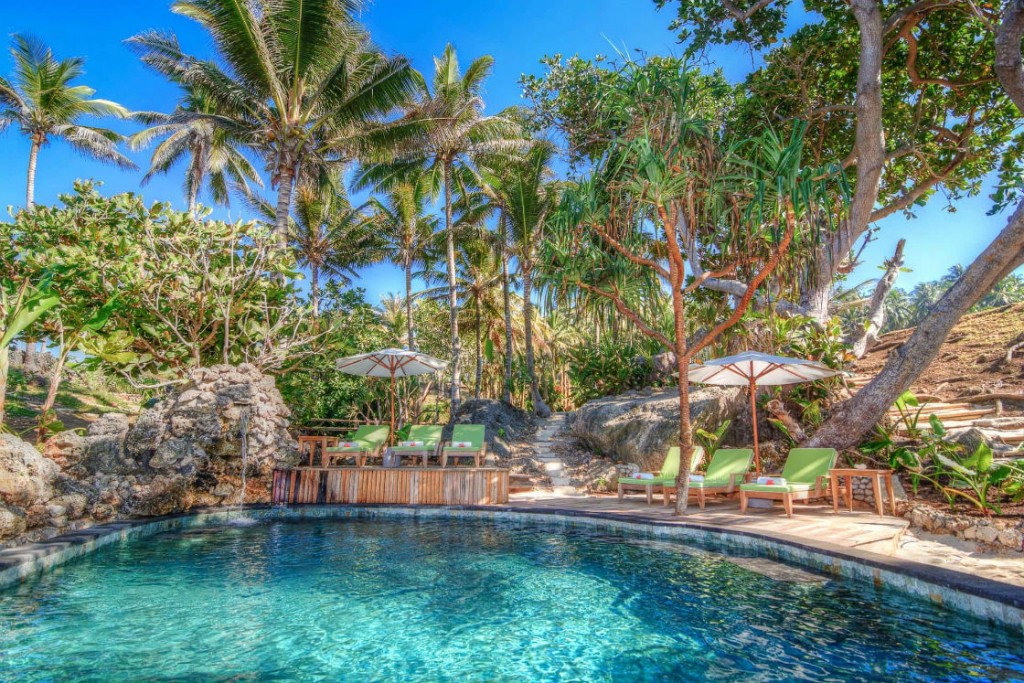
{"points": [[396, 485]]}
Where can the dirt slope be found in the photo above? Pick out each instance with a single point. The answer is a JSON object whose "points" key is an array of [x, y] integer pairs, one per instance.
{"points": [[973, 359]]}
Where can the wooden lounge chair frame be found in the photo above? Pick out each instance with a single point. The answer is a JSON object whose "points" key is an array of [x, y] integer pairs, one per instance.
{"points": [[370, 449], [819, 489], [702, 492], [477, 453], [425, 452], [630, 484]]}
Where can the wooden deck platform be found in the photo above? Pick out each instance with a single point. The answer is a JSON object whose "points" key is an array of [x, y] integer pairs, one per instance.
{"points": [[394, 485]]}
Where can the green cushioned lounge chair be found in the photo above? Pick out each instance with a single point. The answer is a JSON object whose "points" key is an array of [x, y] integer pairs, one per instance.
{"points": [[725, 473], [369, 441], [430, 435], [806, 475], [666, 475], [477, 448]]}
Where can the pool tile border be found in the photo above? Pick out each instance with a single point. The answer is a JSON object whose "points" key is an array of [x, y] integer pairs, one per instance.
{"points": [[994, 601]]}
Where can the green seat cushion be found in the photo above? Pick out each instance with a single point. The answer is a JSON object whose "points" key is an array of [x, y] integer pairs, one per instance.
{"points": [[469, 450], [474, 434], [369, 437], [727, 462], [807, 464], [775, 488], [709, 484]]}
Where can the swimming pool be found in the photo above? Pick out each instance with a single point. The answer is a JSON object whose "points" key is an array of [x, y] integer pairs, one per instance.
{"points": [[463, 600]]}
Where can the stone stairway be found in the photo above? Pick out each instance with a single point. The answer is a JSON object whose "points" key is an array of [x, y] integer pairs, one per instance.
{"points": [[548, 435], [985, 413]]}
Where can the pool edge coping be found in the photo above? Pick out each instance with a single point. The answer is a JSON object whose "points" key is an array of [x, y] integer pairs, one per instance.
{"points": [[985, 598]]}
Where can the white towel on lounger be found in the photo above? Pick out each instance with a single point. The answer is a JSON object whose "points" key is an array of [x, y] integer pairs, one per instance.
{"points": [[772, 481]]}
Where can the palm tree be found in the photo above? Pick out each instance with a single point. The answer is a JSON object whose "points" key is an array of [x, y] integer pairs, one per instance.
{"points": [[43, 103], [330, 237], [407, 232], [442, 132], [214, 159], [522, 187], [478, 283], [301, 84]]}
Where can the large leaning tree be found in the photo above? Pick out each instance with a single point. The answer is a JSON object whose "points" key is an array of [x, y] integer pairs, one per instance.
{"points": [[669, 179], [928, 97], [902, 94]]}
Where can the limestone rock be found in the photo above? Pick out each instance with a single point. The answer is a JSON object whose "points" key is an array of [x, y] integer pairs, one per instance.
{"points": [[640, 428], [26, 477], [12, 523]]}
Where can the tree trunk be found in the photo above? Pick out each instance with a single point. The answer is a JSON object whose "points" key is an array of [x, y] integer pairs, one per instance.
{"points": [[506, 294], [29, 359], [539, 407], [862, 412], [868, 335], [682, 366], [5, 367], [193, 196], [284, 204], [453, 296], [30, 187], [479, 353], [314, 289], [51, 393], [409, 332], [1002, 256]]}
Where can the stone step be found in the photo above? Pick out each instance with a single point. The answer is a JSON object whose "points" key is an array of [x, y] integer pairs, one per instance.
{"points": [[561, 481], [567, 491]]}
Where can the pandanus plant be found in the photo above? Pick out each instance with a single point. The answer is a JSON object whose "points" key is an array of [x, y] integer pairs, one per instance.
{"points": [[669, 184]]}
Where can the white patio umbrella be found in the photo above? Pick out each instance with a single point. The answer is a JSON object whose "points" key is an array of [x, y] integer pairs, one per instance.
{"points": [[752, 369], [390, 363]]}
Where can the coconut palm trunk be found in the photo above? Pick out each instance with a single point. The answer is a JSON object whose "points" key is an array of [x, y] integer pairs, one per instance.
{"points": [[453, 296], [506, 295], [539, 406], [284, 203], [30, 186], [479, 352], [314, 288], [408, 305]]}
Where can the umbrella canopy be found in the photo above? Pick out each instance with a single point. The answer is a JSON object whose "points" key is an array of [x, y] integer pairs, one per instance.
{"points": [[752, 369], [390, 363]]}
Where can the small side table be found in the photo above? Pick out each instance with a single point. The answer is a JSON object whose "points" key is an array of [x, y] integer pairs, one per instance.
{"points": [[324, 442], [877, 478]]}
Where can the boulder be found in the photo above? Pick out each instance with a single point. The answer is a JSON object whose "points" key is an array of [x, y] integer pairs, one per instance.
{"points": [[501, 421], [183, 450], [26, 477], [640, 426]]}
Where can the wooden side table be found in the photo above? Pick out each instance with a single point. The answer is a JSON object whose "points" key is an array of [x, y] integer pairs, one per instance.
{"points": [[312, 442], [877, 478]]}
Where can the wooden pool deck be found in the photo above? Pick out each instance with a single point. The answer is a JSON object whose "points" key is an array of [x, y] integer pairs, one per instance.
{"points": [[391, 485], [859, 530]]}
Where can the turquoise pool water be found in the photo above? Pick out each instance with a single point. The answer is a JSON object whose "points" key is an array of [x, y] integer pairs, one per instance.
{"points": [[401, 600]]}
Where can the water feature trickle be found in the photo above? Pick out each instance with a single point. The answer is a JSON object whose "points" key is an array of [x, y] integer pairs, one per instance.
{"points": [[243, 431], [243, 438]]}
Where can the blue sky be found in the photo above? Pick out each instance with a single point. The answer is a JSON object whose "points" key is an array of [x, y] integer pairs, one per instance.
{"points": [[516, 32]]}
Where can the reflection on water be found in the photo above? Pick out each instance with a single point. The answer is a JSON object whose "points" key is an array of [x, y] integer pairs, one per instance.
{"points": [[376, 600]]}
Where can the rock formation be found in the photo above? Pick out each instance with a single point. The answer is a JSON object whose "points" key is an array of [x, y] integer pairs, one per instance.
{"points": [[183, 452], [640, 426]]}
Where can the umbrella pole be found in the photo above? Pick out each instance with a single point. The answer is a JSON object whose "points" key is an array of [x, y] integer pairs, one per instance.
{"points": [[391, 436], [753, 421]]}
